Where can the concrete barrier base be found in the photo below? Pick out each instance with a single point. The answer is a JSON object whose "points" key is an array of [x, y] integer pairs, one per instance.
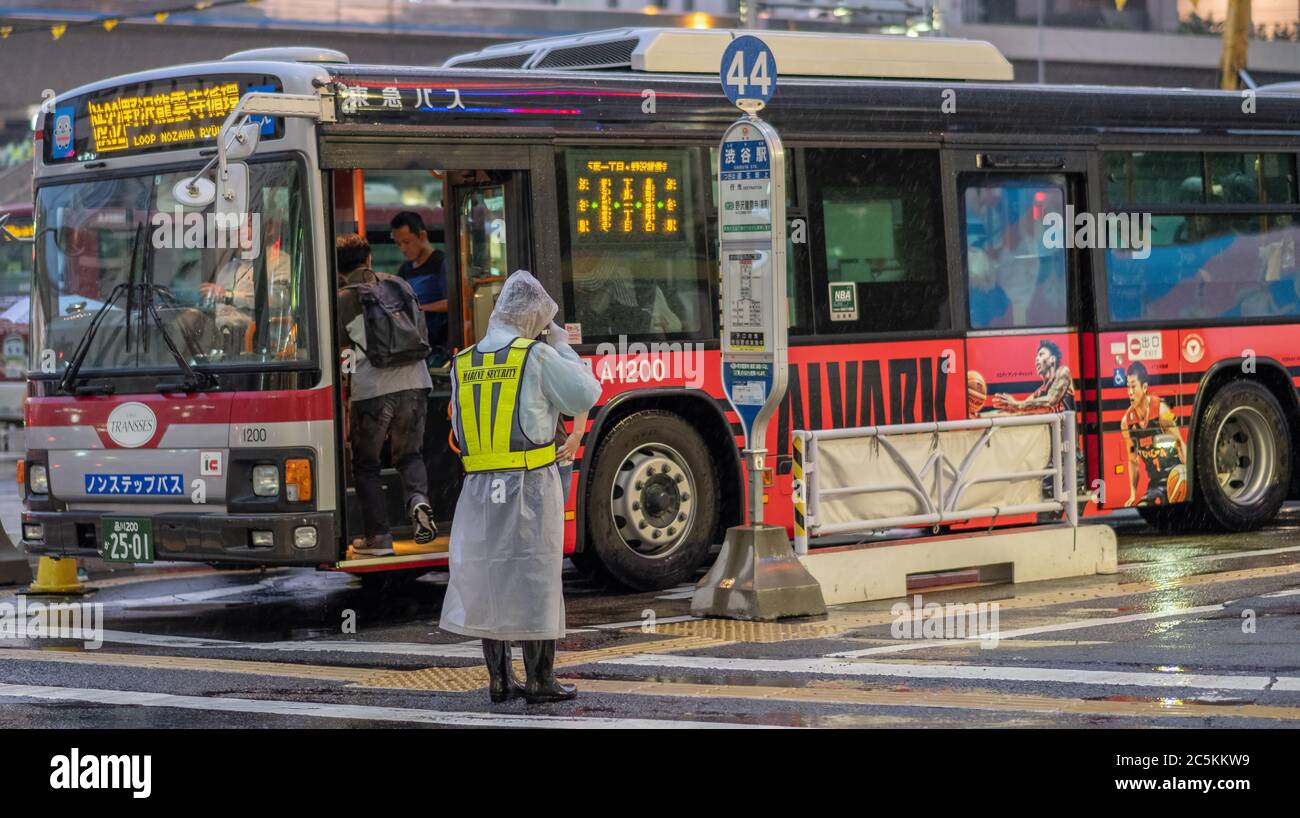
{"points": [[858, 573], [757, 576]]}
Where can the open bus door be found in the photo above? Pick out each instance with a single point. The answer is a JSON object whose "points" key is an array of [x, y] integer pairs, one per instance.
{"points": [[481, 205]]}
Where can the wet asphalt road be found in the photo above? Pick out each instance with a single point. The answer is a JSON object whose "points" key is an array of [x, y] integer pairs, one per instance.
{"points": [[1193, 631]]}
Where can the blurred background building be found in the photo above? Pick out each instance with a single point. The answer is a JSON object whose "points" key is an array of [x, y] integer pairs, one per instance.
{"points": [[59, 44]]}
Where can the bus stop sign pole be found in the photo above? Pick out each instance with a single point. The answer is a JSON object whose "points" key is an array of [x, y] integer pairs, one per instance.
{"points": [[756, 575]]}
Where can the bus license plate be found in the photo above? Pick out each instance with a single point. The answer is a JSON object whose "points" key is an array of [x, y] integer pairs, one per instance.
{"points": [[126, 539]]}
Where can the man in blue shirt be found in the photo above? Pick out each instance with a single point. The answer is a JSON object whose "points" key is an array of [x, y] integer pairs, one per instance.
{"points": [[425, 270]]}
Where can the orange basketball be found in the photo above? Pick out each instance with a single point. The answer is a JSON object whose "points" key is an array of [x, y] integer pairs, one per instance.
{"points": [[1176, 484], [977, 393]]}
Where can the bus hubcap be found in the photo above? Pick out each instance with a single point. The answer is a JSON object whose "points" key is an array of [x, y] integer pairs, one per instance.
{"points": [[1244, 456], [653, 500]]}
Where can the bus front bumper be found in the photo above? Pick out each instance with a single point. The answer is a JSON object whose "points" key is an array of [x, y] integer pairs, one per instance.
{"points": [[184, 537]]}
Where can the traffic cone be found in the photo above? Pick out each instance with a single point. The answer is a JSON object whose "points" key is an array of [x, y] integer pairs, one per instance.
{"points": [[56, 575]]}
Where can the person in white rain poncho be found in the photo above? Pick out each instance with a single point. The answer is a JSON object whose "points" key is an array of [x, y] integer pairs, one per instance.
{"points": [[507, 535]]}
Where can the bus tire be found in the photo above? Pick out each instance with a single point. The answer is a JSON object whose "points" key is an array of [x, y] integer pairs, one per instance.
{"points": [[652, 503], [1243, 456]]}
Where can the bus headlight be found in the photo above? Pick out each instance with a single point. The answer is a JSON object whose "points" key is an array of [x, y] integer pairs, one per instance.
{"points": [[38, 479], [266, 481]]}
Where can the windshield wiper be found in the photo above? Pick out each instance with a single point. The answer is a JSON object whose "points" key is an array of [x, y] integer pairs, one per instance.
{"points": [[194, 380], [70, 375]]}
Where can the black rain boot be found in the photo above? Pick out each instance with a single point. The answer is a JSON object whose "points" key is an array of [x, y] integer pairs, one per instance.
{"points": [[542, 687], [515, 686], [503, 685]]}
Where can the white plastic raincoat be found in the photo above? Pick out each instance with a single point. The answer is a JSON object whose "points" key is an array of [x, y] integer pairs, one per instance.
{"points": [[507, 536]]}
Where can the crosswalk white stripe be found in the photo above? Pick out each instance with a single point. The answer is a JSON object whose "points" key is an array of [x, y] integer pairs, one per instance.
{"points": [[922, 644], [840, 667], [636, 623], [328, 710]]}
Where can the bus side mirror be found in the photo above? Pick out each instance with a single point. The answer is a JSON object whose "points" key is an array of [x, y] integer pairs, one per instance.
{"points": [[242, 141], [232, 207], [232, 189]]}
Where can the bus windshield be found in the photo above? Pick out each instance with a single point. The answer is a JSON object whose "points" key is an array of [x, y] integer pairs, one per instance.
{"points": [[226, 291]]}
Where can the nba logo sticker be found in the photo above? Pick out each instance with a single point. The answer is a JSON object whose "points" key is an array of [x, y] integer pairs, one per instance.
{"points": [[63, 144], [210, 464]]}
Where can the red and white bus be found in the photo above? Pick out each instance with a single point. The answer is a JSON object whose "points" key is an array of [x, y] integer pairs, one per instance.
{"points": [[941, 265]]}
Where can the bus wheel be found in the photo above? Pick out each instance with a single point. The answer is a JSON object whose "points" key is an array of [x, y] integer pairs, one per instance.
{"points": [[653, 504], [1243, 456]]}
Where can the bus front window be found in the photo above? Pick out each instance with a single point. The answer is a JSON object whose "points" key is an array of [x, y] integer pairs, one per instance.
{"points": [[225, 290]]}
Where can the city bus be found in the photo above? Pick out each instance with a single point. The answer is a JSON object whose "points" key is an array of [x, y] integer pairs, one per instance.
{"points": [[958, 245]]}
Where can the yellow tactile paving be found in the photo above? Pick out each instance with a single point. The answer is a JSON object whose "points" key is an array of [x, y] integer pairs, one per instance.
{"points": [[735, 630], [442, 679], [471, 678], [97, 657], [963, 700]]}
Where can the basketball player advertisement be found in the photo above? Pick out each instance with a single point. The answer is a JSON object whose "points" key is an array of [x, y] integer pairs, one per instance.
{"points": [[1147, 389], [1154, 443], [1050, 387]]}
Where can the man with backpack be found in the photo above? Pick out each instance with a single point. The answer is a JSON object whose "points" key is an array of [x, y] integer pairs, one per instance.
{"points": [[381, 324]]}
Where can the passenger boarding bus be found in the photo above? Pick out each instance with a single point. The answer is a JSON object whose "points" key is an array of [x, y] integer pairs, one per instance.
{"points": [[959, 245]]}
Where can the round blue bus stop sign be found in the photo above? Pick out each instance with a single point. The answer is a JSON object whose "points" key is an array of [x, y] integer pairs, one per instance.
{"points": [[748, 73]]}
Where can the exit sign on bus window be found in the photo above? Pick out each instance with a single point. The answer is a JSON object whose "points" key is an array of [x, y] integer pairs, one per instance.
{"points": [[844, 301]]}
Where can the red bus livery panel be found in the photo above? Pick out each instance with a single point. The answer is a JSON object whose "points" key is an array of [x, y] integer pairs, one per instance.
{"points": [[46, 415]]}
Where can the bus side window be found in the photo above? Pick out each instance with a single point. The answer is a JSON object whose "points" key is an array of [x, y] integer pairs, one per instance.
{"points": [[1016, 266], [873, 219], [636, 263], [1220, 243]]}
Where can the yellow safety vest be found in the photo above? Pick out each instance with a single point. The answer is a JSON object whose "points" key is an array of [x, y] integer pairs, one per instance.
{"points": [[487, 394]]}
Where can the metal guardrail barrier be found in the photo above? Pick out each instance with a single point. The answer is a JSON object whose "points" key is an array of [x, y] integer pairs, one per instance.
{"points": [[938, 484]]}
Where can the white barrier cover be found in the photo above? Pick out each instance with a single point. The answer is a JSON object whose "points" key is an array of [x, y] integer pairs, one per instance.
{"points": [[862, 461]]}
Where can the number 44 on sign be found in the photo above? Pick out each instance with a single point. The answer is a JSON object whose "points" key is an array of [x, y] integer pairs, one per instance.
{"points": [[748, 72]]}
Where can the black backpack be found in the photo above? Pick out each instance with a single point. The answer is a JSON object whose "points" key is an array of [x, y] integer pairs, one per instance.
{"points": [[395, 328]]}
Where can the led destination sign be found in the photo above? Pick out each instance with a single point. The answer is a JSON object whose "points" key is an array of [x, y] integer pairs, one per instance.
{"points": [[622, 198], [165, 114]]}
